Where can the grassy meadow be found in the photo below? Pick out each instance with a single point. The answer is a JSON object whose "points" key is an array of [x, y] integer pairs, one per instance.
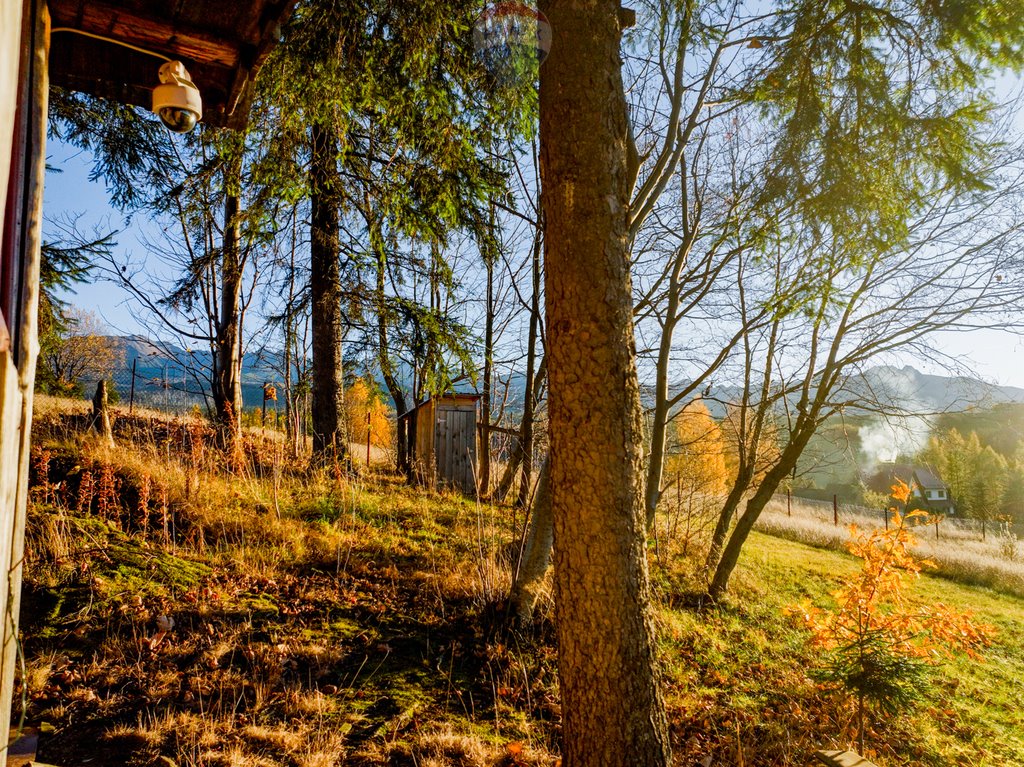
{"points": [[186, 607], [995, 561]]}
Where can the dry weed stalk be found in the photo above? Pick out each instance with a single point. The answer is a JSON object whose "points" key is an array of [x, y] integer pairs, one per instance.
{"points": [[41, 466], [106, 497], [162, 491], [145, 489], [86, 492]]}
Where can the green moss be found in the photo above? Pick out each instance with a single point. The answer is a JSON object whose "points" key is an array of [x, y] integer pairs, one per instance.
{"points": [[256, 605]]}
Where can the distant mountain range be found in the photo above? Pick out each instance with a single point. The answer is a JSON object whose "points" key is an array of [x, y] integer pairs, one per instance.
{"points": [[905, 387], [922, 392], [167, 375]]}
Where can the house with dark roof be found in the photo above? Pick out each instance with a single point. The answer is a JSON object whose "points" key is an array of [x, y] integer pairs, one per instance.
{"points": [[927, 488]]}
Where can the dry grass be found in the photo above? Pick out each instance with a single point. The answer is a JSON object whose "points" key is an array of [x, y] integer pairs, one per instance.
{"points": [[319, 618], [958, 554], [322, 620]]}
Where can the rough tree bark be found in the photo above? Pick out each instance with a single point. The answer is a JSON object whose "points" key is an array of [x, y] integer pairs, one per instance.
{"points": [[612, 711], [325, 290]]}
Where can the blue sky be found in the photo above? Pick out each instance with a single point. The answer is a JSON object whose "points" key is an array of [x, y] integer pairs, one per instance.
{"points": [[996, 356]]}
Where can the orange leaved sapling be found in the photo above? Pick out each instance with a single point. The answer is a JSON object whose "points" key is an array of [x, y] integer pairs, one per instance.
{"points": [[878, 643]]}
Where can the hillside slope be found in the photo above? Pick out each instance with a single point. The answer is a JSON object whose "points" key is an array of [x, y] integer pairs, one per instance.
{"points": [[220, 610]]}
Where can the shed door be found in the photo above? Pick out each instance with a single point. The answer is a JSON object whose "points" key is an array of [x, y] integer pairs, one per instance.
{"points": [[455, 447]]}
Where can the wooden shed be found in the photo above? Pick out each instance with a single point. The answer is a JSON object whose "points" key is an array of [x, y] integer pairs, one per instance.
{"points": [[441, 441]]}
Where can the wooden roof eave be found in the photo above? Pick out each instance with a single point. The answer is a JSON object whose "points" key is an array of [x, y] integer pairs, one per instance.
{"points": [[221, 44]]}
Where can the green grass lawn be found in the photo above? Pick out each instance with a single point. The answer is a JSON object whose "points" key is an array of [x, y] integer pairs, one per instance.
{"points": [[739, 691]]}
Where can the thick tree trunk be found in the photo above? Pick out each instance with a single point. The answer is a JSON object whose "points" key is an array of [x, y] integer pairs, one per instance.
{"points": [[536, 552], [325, 290], [227, 388], [612, 711]]}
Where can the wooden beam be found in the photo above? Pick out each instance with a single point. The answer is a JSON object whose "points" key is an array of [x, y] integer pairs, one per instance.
{"points": [[163, 35]]}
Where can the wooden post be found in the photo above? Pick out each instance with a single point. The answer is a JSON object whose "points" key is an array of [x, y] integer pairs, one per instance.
{"points": [[367, 438], [789, 503], [885, 513], [100, 413], [263, 419], [835, 510], [24, 136], [936, 528], [842, 759], [131, 394]]}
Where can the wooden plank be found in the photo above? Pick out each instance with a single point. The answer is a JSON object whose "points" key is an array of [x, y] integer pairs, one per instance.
{"points": [[843, 759], [22, 751], [461, 435], [19, 421], [10, 448], [168, 35], [439, 446], [467, 451], [455, 472], [450, 439]]}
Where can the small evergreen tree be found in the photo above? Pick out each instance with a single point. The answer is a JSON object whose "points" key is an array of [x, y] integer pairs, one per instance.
{"points": [[879, 643]]}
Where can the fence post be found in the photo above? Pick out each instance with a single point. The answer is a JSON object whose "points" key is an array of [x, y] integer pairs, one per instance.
{"points": [[367, 439], [789, 503], [983, 529], [936, 528], [131, 395], [885, 511], [263, 419], [835, 510]]}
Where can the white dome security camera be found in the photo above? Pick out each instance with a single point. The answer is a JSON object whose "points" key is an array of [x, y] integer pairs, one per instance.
{"points": [[177, 99]]}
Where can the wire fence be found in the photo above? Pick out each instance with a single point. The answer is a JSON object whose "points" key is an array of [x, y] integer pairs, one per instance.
{"points": [[167, 388], [177, 390], [847, 513]]}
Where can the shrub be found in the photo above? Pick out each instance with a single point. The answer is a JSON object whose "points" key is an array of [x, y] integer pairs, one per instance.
{"points": [[878, 645]]}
